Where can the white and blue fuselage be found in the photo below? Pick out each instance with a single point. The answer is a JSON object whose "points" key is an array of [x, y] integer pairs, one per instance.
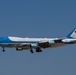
{"points": [[36, 43]]}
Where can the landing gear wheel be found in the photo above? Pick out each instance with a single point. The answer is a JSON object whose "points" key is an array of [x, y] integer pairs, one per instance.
{"points": [[3, 50], [31, 51]]}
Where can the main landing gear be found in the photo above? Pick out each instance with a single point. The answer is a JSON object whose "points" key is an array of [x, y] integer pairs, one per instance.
{"points": [[37, 50], [31, 51]]}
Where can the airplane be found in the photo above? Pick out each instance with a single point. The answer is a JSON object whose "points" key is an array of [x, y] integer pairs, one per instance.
{"points": [[36, 43]]}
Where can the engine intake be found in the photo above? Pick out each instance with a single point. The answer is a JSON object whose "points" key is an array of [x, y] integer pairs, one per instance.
{"points": [[19, 49]]}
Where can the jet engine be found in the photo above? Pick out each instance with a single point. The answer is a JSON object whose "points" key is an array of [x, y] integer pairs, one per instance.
{"points": [[19, 49]]}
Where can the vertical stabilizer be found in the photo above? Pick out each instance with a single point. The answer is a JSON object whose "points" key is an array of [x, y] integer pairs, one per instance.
{"points": [[72, 34]]}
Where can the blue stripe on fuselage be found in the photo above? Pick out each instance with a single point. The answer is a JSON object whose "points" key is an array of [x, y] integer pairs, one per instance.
{"points": [[6, 39], [68, 42]]}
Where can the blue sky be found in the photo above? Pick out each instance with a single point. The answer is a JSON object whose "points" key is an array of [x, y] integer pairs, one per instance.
{"points": [[38, 18]]}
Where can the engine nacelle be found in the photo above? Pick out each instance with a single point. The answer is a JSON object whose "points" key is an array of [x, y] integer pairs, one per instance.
{"points": [[19, 49], [43, 44], [58, 41]]}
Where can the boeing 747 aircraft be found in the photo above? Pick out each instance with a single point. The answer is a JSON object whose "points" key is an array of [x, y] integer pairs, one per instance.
{"points": [[36, 43]]}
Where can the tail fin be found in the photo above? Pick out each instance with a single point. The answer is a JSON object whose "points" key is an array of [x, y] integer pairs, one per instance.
{"points": [[72, 34]]}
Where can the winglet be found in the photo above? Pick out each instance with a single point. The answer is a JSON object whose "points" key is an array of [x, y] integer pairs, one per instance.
{"points": [[72, 34]]}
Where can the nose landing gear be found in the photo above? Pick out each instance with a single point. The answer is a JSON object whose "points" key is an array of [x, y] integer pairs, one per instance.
{"points": [[3, 49]]}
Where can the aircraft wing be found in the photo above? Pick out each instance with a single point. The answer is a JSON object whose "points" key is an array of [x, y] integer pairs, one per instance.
{"points": [[52, 43]]}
